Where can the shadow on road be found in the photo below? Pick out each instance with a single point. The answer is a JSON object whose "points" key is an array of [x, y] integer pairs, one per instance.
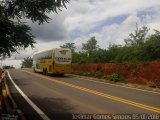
{"points": [[55, 108], [54, 105]]}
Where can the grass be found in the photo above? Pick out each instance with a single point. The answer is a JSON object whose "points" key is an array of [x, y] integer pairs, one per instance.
{"points": [[116, 77], [96, 74], [151, 84]]}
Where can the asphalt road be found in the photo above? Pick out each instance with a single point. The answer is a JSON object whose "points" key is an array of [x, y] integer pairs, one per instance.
{"points": [[62, 96]]}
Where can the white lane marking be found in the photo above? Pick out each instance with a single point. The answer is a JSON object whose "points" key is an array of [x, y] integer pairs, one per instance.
{"points": [[118, 85], [38, 110]]}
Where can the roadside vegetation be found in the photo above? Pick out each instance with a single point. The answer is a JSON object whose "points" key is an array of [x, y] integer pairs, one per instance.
{"points": [[116, 77], [8, 67], [27, 62], [140, 47], [122, 63], [152, 84]]}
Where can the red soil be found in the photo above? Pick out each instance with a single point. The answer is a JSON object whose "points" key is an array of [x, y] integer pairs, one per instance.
{"points": [[134, 73]]}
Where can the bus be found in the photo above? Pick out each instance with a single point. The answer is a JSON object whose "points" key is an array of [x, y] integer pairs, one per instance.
{"points": [[53, 61]]}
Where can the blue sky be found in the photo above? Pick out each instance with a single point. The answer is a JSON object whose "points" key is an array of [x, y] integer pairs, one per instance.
{"points": [[113, 20], [110, 21]]}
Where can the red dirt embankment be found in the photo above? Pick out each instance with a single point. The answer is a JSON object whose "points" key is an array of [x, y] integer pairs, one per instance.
{"points": [[135, 73]]}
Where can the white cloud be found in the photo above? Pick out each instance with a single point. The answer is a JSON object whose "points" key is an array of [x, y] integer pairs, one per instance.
{"points": [[100, 10], [55, 30], [114, 33], [154, 25], [10, 62]]}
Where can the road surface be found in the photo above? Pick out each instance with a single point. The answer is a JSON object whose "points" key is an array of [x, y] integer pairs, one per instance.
{"points": [[51, 97]]}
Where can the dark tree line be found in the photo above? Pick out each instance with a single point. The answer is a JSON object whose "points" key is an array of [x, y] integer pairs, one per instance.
{"points": [[27, 62], [138, 47]]}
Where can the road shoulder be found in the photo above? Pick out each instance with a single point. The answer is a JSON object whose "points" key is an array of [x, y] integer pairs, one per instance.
{"points": [[127, 85]]}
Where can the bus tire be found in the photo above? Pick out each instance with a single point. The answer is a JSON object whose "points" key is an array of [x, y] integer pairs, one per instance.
{"points": [[46, 72], [61, 74]]}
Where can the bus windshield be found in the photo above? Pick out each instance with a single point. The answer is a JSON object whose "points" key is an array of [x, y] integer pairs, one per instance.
{"points": [[63, 56]]}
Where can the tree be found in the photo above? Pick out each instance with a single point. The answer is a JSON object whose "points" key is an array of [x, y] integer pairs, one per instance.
{"points": [[138, 37], [27, 62], [132, 54], [8, 67], [152, 46], [113, 51], [91, 45], [101, 56], [79, 57], [15, 34], [70, 46]]}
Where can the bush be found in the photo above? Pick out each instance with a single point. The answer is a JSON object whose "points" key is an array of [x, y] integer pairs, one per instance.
{"points": [[90, 74], [116, 77], [151, 84], [96, 74], [99, 74]]}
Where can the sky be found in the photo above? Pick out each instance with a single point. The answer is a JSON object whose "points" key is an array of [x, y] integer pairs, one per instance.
{"points": [[110, 21]]}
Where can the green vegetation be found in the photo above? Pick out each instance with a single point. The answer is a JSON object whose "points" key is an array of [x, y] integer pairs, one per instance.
{"points": [[139, 47], [90, 46], [96, 74], [151, 84], [138, 37], [70, 46], [8, 67], [116, 77], [14, 33], [27, 62]]}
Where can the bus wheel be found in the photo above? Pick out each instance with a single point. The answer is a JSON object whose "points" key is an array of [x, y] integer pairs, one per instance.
{"points": [[46, 71], [61, 74]]}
